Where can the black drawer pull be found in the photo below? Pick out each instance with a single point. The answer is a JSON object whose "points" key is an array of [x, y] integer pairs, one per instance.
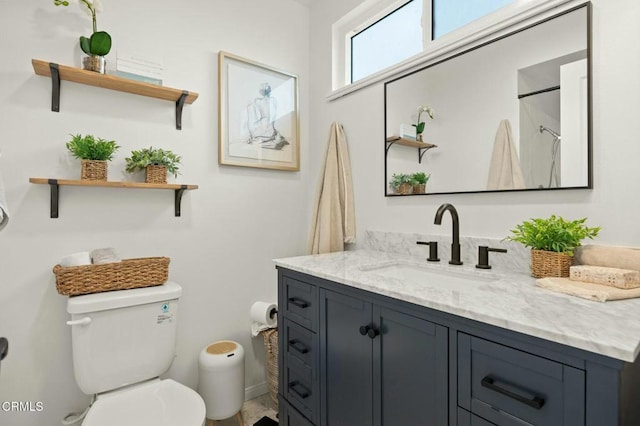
{"points": [[299, 302], [536, 402], [298, 346], [299, 390]]}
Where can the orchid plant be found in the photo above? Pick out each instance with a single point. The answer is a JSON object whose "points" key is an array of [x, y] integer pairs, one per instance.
{"points": [[420, 125], [99, 43]]}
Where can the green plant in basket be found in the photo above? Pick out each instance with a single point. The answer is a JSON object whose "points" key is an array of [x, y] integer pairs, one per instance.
{"points": [[91, 148], [401, 178], [553, 234], [151, 156], [420, 178]]}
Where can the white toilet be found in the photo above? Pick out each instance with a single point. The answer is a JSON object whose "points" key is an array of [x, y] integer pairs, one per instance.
{"points": [[122, 341]]}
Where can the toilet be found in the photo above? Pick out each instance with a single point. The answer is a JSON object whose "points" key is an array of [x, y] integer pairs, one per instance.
{"points": [[122, 341]]}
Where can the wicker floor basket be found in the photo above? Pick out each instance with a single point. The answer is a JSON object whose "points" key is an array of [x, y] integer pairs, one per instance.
{"points": [[155, 174], [271, 345], [124, 275], [93, 170], [550, 264]]}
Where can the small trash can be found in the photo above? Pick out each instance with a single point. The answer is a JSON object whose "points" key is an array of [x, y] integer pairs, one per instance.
{"points": [[221, 381]]}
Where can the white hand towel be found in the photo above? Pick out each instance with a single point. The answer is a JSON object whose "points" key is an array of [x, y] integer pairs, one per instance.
{"points": [[4, 210], [504, 169]]}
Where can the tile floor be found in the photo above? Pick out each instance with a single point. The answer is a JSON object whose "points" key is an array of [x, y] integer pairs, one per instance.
{"points": [[252, 411]]}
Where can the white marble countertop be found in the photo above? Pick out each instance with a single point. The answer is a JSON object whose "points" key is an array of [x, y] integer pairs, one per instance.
{"points": [[511, 301]]}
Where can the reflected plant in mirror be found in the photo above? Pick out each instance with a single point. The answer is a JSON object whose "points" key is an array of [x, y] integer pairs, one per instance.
{"points": [[514, 110], [421, 124]]}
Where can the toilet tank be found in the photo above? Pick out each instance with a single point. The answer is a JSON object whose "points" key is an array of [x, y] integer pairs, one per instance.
{"points": [[123, 337]]}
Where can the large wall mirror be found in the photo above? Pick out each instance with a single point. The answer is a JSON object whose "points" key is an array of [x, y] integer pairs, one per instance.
{"points": [[513, 114]]}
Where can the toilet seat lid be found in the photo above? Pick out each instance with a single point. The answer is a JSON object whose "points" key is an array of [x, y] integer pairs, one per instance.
{"points": [[158, 403]]}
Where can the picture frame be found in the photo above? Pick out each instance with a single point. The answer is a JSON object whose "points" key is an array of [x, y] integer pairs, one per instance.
{"points": [[258, 118]]}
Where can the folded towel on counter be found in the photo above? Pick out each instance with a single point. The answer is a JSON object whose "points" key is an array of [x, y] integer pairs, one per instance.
{"points": [[612, 257], [615, 277], [590, 291]]}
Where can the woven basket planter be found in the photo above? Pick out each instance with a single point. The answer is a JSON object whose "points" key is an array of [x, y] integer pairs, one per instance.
{"points": [[155, 174], [124, 275], [550, 264], [420, 188], [404, 189], [271, 345], [93, 170]]}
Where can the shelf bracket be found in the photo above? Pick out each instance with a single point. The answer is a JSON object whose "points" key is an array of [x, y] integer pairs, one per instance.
{"points": [[178, 198], [55, 87], [55, 197], [179, 105], [389, 144], [421, 152]]}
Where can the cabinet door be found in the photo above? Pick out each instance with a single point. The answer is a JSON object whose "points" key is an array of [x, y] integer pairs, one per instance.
{"points": [[345, 361], [411, 370]]}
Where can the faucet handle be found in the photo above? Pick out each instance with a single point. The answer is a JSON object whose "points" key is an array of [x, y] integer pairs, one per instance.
{"points": [[483, 256], [433, 250]]}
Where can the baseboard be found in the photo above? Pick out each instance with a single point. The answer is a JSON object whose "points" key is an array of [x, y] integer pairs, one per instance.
{"points": [[255, 391]]}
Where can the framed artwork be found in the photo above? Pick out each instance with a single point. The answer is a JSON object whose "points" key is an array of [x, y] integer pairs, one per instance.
{"points": [[258, 122]]}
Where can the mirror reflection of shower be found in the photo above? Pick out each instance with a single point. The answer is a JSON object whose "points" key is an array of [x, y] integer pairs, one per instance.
{"points": [[553, 172]]}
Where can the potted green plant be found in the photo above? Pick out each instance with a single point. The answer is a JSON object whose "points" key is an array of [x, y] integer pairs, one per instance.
{"points": [[420, 124], [96, 46], [402, 183], [420, 179], [552, 241], [94, 153], [156, 162]]}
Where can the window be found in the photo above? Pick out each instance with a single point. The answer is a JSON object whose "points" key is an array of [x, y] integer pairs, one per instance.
{"points": [[449, 15], [381, 33], [392, 39]]}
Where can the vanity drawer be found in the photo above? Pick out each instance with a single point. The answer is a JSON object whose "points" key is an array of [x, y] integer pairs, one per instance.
{"points": [[508, 387], [289, 416], [300, 387], [300, 302], [465, 418], [300, 343]]}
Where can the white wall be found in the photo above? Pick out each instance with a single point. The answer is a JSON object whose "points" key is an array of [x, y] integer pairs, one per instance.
{"points": [[613, 203], [220, 249]]}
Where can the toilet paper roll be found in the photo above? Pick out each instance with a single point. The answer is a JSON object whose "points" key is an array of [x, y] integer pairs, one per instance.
{"points": [[76, 259], [264, 313]]}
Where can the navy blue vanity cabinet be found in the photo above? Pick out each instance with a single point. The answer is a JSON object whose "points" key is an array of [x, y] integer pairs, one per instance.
{"points": [[376, 365], [350, 357]]}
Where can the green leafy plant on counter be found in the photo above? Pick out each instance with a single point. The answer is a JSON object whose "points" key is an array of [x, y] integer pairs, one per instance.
{"points": [[553, 234], [91, 148], [139, 160]]}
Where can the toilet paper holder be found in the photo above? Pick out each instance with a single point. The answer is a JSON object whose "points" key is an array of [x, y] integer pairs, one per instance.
{"points": [[273, 312]]}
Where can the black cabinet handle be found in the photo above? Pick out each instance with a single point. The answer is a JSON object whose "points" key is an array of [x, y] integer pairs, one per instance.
{"points": [[364, 329], [373, 332], [298, 346], [299, 302], [535, 402], [297, 388]]}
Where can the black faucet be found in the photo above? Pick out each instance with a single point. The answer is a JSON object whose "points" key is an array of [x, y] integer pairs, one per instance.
{"points": [[455, 244]]}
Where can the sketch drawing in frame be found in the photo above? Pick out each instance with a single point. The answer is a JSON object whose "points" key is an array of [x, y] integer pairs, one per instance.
{"points": [[258, 121]]}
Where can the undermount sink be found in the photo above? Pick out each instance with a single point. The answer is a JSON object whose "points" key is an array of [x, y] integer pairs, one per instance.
{"points": [[417, 274]]}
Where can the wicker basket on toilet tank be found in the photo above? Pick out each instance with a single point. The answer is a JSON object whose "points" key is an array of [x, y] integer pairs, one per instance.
{"points": [[123, 275]]}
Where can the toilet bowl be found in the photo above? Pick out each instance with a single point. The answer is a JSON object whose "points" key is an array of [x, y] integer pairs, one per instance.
{"points": [[122, 342], [157, 402]]}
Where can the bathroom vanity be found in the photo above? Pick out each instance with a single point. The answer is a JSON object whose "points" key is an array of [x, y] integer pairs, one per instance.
{"points": [[373, 338]]}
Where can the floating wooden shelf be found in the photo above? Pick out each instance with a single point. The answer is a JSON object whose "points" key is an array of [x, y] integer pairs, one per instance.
{"points": [[56, 183], [422, 146], [111, 82]]}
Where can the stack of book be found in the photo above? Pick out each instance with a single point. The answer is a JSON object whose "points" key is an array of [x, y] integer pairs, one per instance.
{"points": [[137, 67]]}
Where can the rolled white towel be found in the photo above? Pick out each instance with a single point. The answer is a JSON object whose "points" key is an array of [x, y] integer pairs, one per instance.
{"points": [[104, 255]]}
